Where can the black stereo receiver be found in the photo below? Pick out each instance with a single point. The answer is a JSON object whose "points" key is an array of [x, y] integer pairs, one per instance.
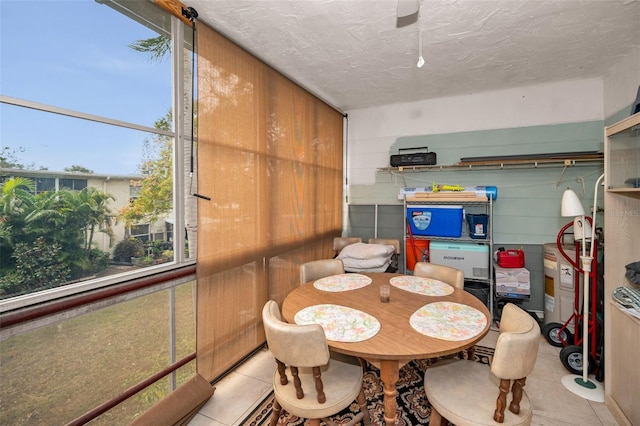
{"points": [[413, 159]]}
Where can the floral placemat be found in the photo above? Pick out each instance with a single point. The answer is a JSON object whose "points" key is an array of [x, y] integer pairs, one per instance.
{"points": [[342, 282], [340, 323], [420, 285], [448, 321]]}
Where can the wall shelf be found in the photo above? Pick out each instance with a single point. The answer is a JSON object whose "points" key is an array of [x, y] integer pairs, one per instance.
{"points": [[590, 160]]}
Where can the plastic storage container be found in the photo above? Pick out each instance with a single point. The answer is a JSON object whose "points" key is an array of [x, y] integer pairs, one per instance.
{"points": [[435, 221], [471, 258], [416, 251], [478, 225]]}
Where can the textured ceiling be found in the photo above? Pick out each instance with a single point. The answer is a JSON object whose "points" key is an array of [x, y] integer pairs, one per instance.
{"points": [[351, 54]]}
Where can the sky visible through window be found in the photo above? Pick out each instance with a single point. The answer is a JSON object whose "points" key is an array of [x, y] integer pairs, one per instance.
{"points": [[75, 54]]}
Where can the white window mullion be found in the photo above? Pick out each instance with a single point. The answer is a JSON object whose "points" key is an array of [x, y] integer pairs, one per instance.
{"points": [[179, 172], [177, 84]]}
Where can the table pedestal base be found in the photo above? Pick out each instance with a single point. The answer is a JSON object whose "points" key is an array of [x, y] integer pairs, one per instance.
{"points": [[389, 374]]}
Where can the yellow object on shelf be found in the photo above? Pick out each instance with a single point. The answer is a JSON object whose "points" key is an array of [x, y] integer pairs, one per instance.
{"points": [[438, 188]]}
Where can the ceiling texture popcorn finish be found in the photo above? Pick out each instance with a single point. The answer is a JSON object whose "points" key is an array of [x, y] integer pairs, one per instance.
{"points": [[352, 54]]}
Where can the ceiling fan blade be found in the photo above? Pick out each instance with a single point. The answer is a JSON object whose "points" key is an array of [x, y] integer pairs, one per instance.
{"points": [[408, 7]]}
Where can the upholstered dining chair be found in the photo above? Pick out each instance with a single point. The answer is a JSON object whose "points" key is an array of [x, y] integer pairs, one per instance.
{"points": [[396, 254], [316, 386], [466, 393], [446, 274], [316, 269], [341, 242]]}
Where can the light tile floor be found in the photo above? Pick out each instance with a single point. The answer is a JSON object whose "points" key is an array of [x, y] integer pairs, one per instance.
{"points": [[238, 393]]}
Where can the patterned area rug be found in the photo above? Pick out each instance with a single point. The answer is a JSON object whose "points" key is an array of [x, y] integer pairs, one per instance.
{"points": [[413, 406]]}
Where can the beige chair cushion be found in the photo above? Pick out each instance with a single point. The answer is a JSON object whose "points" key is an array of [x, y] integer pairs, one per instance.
{"points": [[284, 339], [517, 345], [305, 346], [311, 271], [446, 274], [342, 383], [465, 392]]}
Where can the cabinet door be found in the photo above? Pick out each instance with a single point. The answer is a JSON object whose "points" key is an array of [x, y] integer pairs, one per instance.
{"points": [[622, 155], [625, 346]]}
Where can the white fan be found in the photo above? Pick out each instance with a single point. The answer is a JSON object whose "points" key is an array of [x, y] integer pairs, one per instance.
{"points": [[407, 8], [408, 13]]}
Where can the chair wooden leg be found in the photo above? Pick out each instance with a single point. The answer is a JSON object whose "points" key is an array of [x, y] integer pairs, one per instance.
{"points": [[436, 419], [314, 422], [362, 402], [296, 382], [282, 372], [275, 415], [518, 385], [501, 402], [470, 352], [317, 377]]}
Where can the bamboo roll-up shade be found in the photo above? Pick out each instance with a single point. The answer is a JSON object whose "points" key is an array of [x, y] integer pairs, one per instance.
{"points": [[270, 159]]}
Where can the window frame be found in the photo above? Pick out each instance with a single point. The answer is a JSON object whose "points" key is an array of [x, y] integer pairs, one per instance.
{"points": [[180, 138]]}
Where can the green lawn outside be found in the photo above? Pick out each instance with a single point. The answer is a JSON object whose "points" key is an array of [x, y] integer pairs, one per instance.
{"points": [[54, 374]]}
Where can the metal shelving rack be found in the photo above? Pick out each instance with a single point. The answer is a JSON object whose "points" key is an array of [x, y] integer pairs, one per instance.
{"points": [[485, 207]]}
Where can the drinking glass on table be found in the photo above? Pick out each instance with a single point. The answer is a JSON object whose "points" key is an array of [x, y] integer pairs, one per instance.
{"points": [[385, 293]]}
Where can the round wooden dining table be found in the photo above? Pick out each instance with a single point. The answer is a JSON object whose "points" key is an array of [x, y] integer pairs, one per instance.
{"points": [[397, 341]]}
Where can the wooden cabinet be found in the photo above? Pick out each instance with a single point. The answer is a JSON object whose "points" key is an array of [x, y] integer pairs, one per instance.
{"points": [[622, 246]]}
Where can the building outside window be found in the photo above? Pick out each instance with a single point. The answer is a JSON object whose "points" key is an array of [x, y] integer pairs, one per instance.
{"points": [[73, 184], [141, 232], [44, 184]]}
